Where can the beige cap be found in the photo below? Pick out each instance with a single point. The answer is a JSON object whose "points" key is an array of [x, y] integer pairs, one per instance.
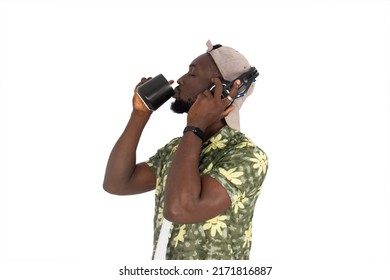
{"points": [[231, 64]]}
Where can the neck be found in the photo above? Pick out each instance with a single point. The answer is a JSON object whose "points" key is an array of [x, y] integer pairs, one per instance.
{"points": [[214, 128]]}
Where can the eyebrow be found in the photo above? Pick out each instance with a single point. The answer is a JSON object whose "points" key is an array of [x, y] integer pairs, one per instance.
{"points": [[192, 65]]}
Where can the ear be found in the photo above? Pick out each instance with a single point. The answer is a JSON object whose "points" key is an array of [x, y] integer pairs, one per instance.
{"points": [[227, 112]]}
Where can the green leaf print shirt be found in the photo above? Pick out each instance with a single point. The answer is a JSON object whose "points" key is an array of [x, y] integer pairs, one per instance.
{"points": [[238, 165]]}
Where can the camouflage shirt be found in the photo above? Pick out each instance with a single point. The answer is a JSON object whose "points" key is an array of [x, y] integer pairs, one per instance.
{"points": [[240, 167]]}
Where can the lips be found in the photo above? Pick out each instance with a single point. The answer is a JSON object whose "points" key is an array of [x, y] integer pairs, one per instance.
{"points": [[177, 92]]}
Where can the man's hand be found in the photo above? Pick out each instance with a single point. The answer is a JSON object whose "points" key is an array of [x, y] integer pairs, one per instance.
{"points": [[209, 108], [138, 105]]}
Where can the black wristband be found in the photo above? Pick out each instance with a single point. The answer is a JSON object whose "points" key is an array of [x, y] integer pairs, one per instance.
{"points": [[197, 131]]}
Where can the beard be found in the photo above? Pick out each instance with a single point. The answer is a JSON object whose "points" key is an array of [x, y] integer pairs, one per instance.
{"points": [[180, 106]]}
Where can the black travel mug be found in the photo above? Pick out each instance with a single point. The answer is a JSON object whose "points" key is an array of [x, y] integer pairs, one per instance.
{"points": [[155, 92]]}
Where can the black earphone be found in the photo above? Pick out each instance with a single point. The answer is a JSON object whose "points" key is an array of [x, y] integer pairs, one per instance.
{"points": [[246, 79]]}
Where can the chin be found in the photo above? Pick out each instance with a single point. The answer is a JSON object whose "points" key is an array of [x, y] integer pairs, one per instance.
{"points": [[180, 106]]}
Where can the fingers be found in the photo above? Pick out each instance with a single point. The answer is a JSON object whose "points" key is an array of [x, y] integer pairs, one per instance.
{"points": [[143, 80], [218, 91], [226, 102], [218, 88], [234, 90], [227, 112]]}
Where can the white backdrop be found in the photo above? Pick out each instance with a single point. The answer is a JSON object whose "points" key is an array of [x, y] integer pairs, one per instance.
{"points": [[320, 111]]}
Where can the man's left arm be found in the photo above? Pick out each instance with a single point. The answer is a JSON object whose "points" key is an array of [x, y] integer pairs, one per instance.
{"points": [[189, 197]]}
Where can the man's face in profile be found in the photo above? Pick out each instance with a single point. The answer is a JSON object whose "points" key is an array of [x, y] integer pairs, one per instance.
{"points": [[194, 82]]}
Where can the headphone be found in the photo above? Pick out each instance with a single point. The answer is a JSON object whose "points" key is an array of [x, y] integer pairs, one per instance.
{"points": [[246, 80]]}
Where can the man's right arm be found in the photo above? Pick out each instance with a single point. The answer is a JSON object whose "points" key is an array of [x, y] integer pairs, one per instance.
{"points": [[123, 176]]}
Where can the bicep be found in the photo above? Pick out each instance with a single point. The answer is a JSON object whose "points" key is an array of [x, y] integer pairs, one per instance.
{"points": [[214, 197]]}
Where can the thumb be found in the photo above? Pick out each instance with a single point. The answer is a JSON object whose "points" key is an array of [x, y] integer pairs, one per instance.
{"points": [[227, 111]]}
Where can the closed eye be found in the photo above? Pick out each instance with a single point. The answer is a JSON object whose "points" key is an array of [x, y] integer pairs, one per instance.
{"points": [[191, 70]]}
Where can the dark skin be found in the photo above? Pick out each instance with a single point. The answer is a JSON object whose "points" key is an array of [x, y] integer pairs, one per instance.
{"points": [[189, 197]]}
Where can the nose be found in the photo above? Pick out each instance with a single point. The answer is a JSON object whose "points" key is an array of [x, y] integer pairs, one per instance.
{"points": [[181, 80]]}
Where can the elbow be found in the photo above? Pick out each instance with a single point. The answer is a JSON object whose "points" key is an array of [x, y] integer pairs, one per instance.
{"points": [[178, 214], [108, 188], [112, 188], [119, 188], [173, 216]]}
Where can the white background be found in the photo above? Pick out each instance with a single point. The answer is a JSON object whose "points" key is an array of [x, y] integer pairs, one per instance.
{"points": [[320, 111]]}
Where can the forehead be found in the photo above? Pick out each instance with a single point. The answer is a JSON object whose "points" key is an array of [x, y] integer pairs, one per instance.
{"points": [[204, 61]]}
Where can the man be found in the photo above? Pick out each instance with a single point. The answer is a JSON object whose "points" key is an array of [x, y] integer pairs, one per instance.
{"points": [[207, 181]]}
